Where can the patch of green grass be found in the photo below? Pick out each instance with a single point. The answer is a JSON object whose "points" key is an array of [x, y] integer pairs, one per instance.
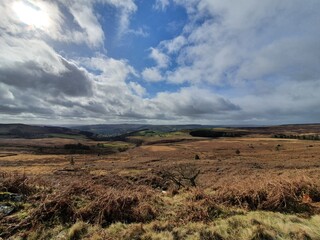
{"points": [[116, 146], [149, 133]]}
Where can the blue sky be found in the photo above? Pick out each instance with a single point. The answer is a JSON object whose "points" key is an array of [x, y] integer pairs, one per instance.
{"points": [[160, 61]]}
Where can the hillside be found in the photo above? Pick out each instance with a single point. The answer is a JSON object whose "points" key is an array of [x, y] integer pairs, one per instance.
{"points": [[33, 131], [112, 130], [105, 131]]}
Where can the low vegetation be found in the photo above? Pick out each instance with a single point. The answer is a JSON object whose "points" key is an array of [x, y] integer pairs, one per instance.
{"points": [[216, 133], [314, 137], [113, 207], [172, 186], [281, 195]]}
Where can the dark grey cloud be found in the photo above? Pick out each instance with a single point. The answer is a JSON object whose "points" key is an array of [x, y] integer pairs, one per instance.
{"points": [[199, 106], [131, 114], [13, 110], [31, 75]]}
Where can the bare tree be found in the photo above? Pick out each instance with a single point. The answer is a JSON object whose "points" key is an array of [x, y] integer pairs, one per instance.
{"points": [[182, 175]]}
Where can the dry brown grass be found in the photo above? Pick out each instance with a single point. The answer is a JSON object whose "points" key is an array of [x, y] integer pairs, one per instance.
{"points": [[282, 194], [16, 183], [126, 187], [118, 206], [158, 148], [200, 208], [65, 201]]}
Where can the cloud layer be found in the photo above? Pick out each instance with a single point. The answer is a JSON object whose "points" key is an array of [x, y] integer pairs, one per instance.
{"points": [[233, 62], [265, 52]]}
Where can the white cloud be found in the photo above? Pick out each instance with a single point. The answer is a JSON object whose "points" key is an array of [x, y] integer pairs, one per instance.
{"points": [[152, 74], [137, 89], [57, 26], [270, 47], [142, 32], [161, 4], [37, 82], [113, 70], [15, 51], [246, 40], [83, 14], [174, 45], [60, 27], [11, 22], [159, 57]]}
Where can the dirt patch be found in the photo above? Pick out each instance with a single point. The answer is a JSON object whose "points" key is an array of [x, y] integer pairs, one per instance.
{"points": [[158, 148]]}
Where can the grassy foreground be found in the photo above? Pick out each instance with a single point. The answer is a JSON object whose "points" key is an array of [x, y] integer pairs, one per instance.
{"points": [[84, 206]]}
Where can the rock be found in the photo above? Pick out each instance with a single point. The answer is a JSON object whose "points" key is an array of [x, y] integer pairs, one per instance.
{"points": [[6, 210], [7, 196]]}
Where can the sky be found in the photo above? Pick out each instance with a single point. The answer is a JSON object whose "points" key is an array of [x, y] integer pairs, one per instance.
{"points": [[219, 62]]}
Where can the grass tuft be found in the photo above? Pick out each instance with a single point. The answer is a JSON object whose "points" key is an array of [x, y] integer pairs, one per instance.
{"points": [[77, 230]]}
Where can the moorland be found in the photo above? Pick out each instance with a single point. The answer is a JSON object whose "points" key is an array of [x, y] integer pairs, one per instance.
{"points": [[160, 182]]}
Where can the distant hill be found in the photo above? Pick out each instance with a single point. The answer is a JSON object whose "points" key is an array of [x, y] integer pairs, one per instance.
{"points": [[313, 128], [33, 131], [111, 130], [121, 131], [97, 132]]}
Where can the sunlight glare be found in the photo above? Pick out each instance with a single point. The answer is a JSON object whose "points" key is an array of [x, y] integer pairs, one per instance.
{"points": [[31, 14]]}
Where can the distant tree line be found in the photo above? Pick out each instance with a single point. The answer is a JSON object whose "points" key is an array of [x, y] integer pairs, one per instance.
{"points": [[78, 146], [301, 137], [215, 134]]}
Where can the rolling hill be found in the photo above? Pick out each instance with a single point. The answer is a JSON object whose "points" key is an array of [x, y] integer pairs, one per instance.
{"points": [[33, 131]]}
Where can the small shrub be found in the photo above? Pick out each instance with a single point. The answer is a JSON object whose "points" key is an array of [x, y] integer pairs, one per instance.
{"points": [[278, 147], [182, 175]]}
